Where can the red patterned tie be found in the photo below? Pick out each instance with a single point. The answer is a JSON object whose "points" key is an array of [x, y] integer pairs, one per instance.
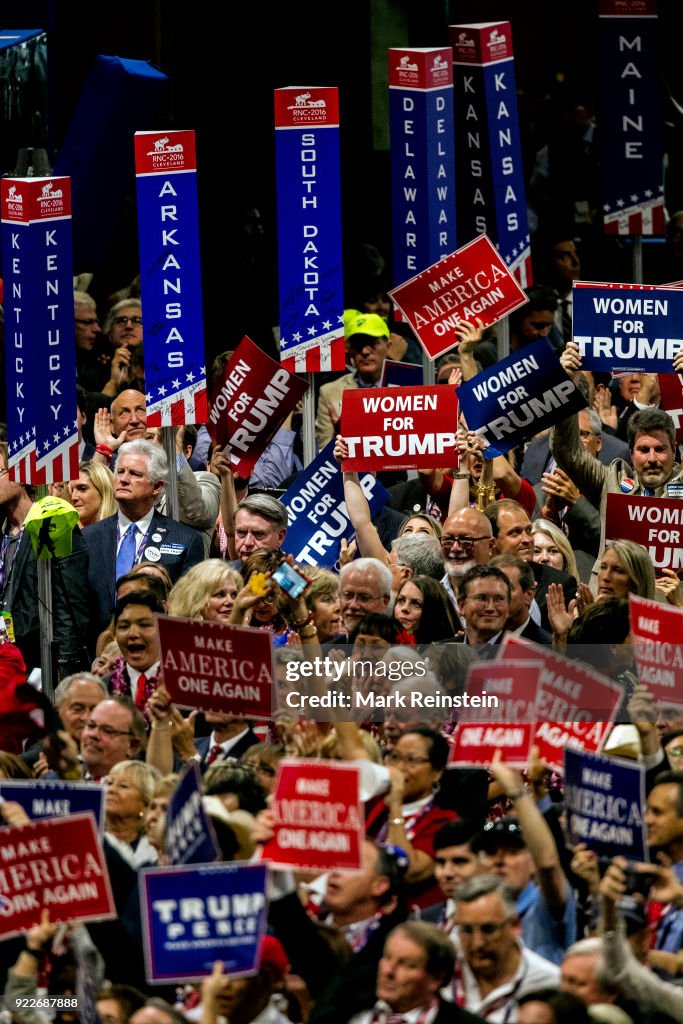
{"points": [[214, 753], [140, 696]]}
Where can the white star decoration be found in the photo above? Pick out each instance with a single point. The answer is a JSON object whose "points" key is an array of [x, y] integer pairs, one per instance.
{"points": [[190, 376], [176, 383], [162, 390], [633, 198]]}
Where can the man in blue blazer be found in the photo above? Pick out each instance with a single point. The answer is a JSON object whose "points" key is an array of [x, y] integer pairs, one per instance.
{"points": [[137, 533]]}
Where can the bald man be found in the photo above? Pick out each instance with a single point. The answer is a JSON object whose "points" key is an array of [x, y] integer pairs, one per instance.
{"points": [[467, 540], [126, 421]]}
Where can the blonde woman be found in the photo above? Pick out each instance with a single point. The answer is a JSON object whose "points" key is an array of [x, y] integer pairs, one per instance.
{"points": [[130, 788], [207, 591], [92, 495], [552, 547]]}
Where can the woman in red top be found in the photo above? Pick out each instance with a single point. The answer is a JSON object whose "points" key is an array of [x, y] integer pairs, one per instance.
{"points": [[410, 818]]}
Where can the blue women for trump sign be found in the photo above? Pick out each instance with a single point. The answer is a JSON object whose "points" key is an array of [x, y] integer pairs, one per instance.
{"points": [[318, 519], [193, 916], [519, 396], [627, 328]]}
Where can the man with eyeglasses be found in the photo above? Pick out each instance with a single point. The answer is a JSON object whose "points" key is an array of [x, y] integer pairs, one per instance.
{"points": [[114, 732], [484, 596], [367, 338], [92, 349], [673, 747], [466, 541], [124, 324], [365, 586], [497, 969], [123, 328]]}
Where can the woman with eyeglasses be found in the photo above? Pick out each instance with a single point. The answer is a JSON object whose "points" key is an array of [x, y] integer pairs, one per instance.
{"points": [[410, 818], [129, 791]]}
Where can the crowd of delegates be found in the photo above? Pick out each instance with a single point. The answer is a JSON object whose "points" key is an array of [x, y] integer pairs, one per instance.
{"points": [[470, 902]]}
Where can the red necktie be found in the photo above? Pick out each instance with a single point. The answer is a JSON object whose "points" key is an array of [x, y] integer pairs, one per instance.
{"points": [[214, 753], [140, 696]]}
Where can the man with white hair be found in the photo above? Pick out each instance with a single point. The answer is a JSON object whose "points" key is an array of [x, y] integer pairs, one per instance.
{"points": [[365, 586], [137, 532]]}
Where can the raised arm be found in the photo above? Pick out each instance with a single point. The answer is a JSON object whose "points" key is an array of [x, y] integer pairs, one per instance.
{"points": [[587, 473], [367, 537], [539, 839]]}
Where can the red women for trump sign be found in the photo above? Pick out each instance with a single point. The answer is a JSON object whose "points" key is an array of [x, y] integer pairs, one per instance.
{"points": [[317, 815], [400, 428]]}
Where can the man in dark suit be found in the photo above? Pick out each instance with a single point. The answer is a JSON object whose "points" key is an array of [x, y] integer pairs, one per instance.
{"points": [[512, 531], [523, 585], [605, 447], [484, 598], [137, 532], [417, 961], [19, 582], [230, 738]]}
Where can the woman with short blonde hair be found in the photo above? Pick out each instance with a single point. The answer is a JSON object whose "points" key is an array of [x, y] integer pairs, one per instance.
{"points": [[207, 591], [130, 789]]}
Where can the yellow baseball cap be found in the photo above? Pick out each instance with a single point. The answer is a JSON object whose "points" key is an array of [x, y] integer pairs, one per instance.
{"points": [[367, 323]]}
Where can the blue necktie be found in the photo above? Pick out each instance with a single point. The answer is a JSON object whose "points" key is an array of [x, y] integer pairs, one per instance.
{"points": [[125, 559], [649, 492]]}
